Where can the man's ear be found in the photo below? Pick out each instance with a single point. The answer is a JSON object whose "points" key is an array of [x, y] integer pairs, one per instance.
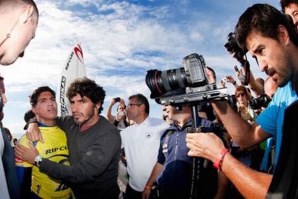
{"points": [[283, 34], [27, 14], [33, 110], [97, 106]]}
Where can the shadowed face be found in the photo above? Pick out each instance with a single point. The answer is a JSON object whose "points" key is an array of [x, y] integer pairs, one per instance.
{"points": [[292, 10], [273, 55]]}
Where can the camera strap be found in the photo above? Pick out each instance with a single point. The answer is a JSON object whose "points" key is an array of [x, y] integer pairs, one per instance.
{"points": [[247, 72]]}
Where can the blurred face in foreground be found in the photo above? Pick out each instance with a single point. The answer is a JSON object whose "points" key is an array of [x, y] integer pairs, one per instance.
{"points": [[22, 31]]}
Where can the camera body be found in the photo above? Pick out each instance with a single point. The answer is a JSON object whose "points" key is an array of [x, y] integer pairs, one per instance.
{"points": [[233, 47], [188, 84], [259, 102], [117, 99], [122, 113]]}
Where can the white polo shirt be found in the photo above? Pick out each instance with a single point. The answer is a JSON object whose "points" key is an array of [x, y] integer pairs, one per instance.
{"points": [[141, 143]]}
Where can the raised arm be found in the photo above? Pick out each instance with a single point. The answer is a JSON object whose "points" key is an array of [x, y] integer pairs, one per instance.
{"points": [[110, 117], [243, 133]]}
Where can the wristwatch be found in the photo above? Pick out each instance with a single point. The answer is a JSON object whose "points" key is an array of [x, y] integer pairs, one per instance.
{"points": [[37, 160]]}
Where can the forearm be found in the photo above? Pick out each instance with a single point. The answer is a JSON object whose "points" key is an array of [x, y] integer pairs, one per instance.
{"points": [[250, 183], [110, 117], [155, 172], [255, 86], [72, 174], [240, 131]]}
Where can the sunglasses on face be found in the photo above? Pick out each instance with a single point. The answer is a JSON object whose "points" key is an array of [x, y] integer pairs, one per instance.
{"points": [[240, 94]]}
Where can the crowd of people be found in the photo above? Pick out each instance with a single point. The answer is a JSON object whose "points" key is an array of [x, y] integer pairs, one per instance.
{"points": [[233, 154]]}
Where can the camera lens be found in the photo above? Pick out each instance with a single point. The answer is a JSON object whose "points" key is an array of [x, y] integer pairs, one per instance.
{"points": [[160, 82]]}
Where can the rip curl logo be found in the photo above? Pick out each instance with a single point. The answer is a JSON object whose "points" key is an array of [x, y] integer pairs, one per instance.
{"points": [[79, 52], [148, 135]]}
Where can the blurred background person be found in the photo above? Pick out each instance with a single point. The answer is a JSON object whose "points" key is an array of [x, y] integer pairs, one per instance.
{"points": [[120, 120], [141, 142]]}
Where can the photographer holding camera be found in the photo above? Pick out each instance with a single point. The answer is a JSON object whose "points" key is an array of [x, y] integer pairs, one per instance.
{"points": [[271, 38], [173, 169], [120, 120]]}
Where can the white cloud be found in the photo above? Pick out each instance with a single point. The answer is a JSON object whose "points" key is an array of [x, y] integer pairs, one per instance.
{"points": [[120, 40]]}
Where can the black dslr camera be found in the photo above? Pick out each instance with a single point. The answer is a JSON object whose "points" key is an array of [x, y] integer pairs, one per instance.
{"points": [[186, 85], [233, 47], [239, 54], [259, 102]]}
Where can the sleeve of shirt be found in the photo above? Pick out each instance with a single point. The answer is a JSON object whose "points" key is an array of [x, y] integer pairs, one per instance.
{"points": [[94, 162], [161, 157], [268, 117]]}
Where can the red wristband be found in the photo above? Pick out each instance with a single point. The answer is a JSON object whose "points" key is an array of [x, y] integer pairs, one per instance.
{"points": [[218, 162]]}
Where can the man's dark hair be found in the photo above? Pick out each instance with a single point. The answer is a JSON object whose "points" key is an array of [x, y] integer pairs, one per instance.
{"points": [[36, 93], [88, 88], [285, 3], [141, 99], [264, 19]]}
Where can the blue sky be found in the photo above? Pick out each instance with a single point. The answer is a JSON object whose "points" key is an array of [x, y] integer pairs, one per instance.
{"points": [[121, 40]]}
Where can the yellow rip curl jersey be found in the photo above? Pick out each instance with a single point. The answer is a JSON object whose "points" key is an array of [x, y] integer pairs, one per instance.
{"points": [[55, 149]]}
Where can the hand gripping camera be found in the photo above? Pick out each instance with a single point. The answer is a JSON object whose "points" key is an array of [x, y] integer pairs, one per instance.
{"points": [[186, 85]]}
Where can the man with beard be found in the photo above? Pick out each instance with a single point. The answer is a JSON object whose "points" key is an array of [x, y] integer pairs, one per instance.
{"points": [[271, 38], [94, 145], [290, 7]]}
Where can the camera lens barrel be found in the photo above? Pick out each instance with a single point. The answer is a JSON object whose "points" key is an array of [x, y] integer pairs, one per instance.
{"points": [[160, 82]]}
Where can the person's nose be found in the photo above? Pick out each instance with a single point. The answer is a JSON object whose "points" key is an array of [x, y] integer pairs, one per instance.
{"points": [[22, 54], [295, 19], [4, 98], [73, 107], [262, 65]]}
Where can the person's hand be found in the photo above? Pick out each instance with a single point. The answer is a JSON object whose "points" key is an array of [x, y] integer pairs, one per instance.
{"points": [[27, 154], [222, 83], [210, 76], [120, 116], [33, 133], [122, 101], [206, 145], [240, 75], [113, 102], [146, 193], [230, 79]]}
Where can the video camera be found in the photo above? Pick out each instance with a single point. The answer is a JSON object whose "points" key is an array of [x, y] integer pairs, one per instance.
{"points": [[186, 85]]}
